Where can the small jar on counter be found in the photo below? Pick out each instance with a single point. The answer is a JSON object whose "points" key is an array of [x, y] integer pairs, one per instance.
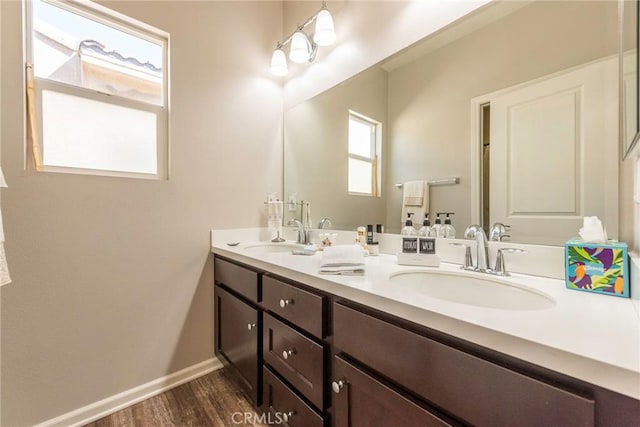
{"points": [[374, 248]]}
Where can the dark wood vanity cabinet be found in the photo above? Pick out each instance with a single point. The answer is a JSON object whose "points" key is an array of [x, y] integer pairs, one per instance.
{"points": [[291, 345]]}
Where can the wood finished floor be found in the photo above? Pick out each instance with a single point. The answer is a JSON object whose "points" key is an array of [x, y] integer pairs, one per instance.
{"points": [[207, 401]]}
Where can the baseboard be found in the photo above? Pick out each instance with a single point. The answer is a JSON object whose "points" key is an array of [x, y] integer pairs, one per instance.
{"points": [[112, 404]]}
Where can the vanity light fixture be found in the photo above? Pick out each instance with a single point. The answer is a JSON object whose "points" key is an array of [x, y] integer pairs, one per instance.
{"points": [[301, 48]]}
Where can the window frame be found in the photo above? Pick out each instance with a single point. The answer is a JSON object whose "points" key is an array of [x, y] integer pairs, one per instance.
{"points": [[376, 150], [128, 25]]}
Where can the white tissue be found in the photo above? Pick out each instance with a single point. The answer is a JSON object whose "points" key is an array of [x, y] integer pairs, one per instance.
{"points": [[592, 230]]}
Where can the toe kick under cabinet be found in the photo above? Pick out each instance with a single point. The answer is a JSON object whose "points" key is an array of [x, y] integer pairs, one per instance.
{"points": [[314, 359]]}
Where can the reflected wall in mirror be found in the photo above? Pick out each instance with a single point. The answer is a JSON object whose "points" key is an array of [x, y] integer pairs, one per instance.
{"points": [[629, 76], [548, 71]]}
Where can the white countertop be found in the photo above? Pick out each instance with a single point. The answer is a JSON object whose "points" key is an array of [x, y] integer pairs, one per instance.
{"points": [[594, 338]]}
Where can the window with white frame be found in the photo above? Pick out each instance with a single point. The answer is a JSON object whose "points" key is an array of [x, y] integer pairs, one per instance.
{"points": [[96, 91], [365, 136]]}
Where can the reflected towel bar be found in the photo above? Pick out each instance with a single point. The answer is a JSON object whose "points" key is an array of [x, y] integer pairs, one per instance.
{"points": [[448, 181]]}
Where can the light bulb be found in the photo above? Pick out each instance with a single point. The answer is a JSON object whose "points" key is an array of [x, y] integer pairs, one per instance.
{"points": [[325, 34], [279, 63], [300, 48]]}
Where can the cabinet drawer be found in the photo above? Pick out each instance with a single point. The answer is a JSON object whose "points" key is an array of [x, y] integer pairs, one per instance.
{"points": [[297, 358], [304, 309], [238, 339], [477, 391], [279, 399], [240, 279], [361, 400]]}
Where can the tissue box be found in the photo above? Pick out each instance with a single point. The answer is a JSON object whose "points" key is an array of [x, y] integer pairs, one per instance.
{"points": [[601, 268]]}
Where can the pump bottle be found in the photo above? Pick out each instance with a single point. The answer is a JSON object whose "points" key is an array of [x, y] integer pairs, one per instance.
{"points": [[448, 231], [409, 236], [426, 229], [437, 227]]}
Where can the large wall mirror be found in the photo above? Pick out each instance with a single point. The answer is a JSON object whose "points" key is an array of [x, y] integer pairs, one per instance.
{"points": [[511, 113]]}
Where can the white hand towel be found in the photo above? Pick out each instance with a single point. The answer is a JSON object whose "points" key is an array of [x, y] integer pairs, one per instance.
{"points": [[275, 213], [413, 193], [307, 222], [415, 200], [342, 255]]}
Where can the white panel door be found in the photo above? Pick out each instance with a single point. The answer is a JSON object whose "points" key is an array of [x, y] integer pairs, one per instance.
{"points": [[554, 153]]}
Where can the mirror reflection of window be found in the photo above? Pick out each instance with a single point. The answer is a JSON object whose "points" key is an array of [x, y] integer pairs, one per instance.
{"points": [[364, 141]]}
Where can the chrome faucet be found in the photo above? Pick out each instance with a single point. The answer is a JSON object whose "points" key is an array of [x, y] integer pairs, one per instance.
{"points": [[303, 233], [482, 247], [323, 222], [498, 231], [500, 268]]}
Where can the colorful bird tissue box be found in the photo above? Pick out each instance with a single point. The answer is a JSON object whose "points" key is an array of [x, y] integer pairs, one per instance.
{"points": [[600, 268]]}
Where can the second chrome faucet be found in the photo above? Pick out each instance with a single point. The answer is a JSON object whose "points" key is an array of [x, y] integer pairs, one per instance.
{"points": [[483, 256]]}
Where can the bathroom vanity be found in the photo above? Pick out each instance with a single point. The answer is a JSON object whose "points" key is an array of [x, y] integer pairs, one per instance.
{"points": [[327, 350]]}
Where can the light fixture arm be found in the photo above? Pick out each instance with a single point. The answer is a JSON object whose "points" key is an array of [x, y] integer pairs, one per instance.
{"points": [[302, 47], [306, 23]]}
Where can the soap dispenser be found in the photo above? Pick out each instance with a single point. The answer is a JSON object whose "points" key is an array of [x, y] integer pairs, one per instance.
{"points": [[426, 237], [437, 227], [409, 236], [448, 231], [426, 229]]}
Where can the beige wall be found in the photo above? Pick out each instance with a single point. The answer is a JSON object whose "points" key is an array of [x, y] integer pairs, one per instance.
{"points": [[429, 98], [315, 144], [112, 279]]}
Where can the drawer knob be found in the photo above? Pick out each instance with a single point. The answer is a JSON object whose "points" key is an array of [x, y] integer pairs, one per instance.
{"points": [[338, 385], [287, 353], [286, 416], [285, 302], [251, 326]]}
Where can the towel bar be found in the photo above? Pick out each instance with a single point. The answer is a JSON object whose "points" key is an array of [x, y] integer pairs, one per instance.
{"points": [[447, 181]]}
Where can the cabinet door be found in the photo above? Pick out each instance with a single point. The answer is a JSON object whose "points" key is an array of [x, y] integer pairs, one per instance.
{"points": [[361, 400], [238, 340]]}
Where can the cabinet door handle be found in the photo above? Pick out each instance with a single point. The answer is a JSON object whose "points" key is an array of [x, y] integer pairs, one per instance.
{"points": [[251, 326], [338, 385], [287, 353], [285, 302], [286, 416]]}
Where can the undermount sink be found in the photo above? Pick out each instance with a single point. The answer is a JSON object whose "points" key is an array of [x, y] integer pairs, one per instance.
{"points": [[472, 289], [269, 247]]}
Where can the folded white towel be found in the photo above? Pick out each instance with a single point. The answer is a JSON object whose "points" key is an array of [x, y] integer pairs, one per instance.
{"points": [[413, 193], [343, 271], [342, 255]]}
